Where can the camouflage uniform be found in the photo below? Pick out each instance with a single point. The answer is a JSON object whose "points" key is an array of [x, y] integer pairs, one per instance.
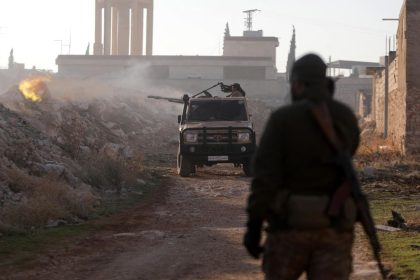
{"points": [[295, 156], [323, 253]]}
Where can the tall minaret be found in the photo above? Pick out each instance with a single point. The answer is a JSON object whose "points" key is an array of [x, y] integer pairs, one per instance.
{"points": [[119, 26], [292, 55]]}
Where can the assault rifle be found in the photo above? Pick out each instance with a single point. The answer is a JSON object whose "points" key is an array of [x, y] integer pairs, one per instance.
{"points": [[350, 185]]}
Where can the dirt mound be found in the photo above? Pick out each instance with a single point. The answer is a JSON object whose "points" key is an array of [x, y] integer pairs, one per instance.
{"points": [[84, 146]]}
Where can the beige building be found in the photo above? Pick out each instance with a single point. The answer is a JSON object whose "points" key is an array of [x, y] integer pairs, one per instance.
{"points": [[252, 44], [169, 67], [119, 26], [349, 89], [249, 59]]}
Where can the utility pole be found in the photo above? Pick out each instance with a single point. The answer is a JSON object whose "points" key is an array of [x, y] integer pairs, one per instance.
{"points": [[249, 18], [386, 101]]}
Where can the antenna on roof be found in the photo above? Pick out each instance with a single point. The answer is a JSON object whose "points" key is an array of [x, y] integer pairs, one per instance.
{"points": [[249, 18]]}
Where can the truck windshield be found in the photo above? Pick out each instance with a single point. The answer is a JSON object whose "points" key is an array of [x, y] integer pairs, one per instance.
{"points": [[217, 110]]}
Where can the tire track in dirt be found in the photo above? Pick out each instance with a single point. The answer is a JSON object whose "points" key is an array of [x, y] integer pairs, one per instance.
{"points": [[192, 229]]}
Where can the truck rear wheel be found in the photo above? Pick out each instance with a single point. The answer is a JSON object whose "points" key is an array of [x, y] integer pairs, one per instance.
{"points": [[184, 166]]}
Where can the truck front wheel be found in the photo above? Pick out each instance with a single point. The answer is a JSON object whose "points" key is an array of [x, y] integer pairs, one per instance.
{"points": [[246, 167], [184, 166]]}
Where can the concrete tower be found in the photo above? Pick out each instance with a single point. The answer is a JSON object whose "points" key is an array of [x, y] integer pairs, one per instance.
{"points": [[119, 26]]}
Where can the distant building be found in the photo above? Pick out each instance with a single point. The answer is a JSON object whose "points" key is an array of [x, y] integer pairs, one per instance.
{"points": [[348, 90], [252, 44], [354, 68], [249, 59], [354, 86], [120, 25], [170, 67]]}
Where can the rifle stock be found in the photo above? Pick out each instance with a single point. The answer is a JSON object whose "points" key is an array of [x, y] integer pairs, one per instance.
{"points": [[368, 225]]}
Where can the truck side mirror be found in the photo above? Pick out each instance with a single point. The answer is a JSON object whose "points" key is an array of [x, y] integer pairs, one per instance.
{"points": [[179, 118]]}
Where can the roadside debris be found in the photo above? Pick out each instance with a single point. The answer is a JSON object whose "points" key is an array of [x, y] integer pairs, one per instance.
{"points": [[387, 228], [397, 221]]}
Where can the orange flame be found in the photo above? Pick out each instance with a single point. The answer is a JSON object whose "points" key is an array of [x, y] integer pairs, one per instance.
{"points": [[34, 88]]}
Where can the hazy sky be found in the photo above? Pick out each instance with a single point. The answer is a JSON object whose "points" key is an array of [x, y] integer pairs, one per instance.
{"points": [[342, 29]]}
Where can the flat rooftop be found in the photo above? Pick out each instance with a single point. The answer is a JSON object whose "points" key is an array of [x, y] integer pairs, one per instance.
{"points": [[349, 64]]}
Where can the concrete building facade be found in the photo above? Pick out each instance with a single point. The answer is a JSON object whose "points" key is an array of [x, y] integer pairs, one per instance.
{"points": [[120, 25], [248, 59], [170, 67], [251, 46], [348, 90], [354, 87]]}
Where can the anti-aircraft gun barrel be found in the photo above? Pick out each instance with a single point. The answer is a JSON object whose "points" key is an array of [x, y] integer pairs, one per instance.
{"points": [[174, 100]]}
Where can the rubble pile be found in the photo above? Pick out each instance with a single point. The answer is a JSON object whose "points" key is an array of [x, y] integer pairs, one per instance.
{"points": [[37, 177], [82, 146], [127, 120], [26, 148]]}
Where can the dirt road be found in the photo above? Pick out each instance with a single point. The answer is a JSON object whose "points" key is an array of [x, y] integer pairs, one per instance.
{"points": [[192, 229]]}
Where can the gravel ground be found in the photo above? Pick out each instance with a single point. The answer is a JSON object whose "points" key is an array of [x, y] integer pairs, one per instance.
{"points": [[192, 229]]}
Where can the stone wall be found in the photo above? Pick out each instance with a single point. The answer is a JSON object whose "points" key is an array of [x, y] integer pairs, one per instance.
{"points": [[396, 113], [412, 35], [379, 101], [404, 85]]}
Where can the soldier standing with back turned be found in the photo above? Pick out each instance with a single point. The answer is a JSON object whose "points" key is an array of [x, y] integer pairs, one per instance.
{"points": [[295, 176]]}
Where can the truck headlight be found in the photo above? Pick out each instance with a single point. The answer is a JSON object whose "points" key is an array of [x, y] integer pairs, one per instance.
{"points": [[190, 137], [243, 137]]}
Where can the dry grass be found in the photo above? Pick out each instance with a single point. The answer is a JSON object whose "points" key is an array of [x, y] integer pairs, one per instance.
{"points": [[374, 143], [105, 172], [394, 186], [44, 199], [375, 150]]}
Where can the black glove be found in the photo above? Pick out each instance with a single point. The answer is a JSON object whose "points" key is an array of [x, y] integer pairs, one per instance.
{"points": [[252, 238]]}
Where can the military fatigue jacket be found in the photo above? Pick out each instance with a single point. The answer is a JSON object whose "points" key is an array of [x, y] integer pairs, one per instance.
{"points": [[294, 154]]}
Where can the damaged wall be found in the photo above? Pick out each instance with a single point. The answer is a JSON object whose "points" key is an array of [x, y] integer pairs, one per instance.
{"points": [[413, 75], [347, 90], [404, 85], [378, 104]]}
